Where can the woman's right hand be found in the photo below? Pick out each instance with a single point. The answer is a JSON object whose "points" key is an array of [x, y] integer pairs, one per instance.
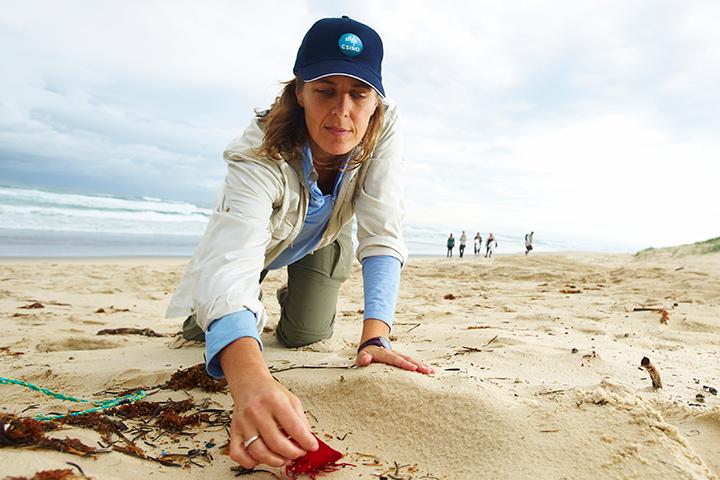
{"points": [[263, 407]]}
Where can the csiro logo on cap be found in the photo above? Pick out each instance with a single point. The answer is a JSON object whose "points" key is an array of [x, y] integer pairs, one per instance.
{"points": [[350, 44]]}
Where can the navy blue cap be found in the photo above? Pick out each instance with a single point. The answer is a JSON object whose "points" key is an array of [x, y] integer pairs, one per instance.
{"points": [[341, 46]]}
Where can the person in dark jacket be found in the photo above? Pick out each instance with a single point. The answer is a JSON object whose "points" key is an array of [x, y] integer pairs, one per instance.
{"points": [[450, 245]]}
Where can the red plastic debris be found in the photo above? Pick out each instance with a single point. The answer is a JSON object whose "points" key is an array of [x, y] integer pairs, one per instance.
{"points": [[322, 460]]}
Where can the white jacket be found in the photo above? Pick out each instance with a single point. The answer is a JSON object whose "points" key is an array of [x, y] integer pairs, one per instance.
{"points": [[260, 210]]}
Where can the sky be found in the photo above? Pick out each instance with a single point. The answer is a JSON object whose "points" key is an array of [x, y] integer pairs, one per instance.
{"points": [[592, 120]]}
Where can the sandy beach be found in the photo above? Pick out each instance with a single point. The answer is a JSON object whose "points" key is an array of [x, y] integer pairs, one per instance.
{"points": [[537, 358]]}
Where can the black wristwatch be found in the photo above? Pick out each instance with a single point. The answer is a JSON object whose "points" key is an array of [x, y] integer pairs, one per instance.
{"points": [[381, 342]]}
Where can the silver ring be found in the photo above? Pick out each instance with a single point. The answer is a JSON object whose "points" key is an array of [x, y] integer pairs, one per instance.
{"points": [[250, 440]]}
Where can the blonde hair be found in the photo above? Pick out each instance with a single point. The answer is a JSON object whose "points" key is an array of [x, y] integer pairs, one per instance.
{"points": [[286, 132]]}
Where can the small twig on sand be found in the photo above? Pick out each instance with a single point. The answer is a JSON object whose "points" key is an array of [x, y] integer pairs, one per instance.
{"points": [[240, 471], [78, 467], [476, 349], [550, 392], [293, 367]]}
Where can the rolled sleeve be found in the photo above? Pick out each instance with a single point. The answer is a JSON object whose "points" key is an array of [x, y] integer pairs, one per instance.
{"points": [[222, 332]]}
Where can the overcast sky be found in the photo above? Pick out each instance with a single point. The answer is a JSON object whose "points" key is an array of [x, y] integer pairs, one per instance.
{"points": [[576, 118]]}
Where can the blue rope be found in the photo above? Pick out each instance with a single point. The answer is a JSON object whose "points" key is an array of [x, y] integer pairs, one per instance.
{"points": [[100, 405]]}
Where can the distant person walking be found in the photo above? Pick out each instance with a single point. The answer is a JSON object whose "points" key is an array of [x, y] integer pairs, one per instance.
{"points": [[463, 243], [477, 243], [490, 245], [450, 245], [528, 242]]}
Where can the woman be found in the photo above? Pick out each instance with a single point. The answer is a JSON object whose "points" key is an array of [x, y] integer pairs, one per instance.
{"points": [[450, 245], [328, 148]]}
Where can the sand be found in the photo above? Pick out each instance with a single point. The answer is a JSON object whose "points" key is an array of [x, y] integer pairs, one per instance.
{"points": [[531, 382]]}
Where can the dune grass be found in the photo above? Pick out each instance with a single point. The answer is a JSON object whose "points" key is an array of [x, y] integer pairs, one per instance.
{"points": [[697, 248]]}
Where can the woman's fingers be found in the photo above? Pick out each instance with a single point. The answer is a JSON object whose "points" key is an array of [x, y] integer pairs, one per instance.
{"points": [[274, 416], [265, 448], [260, 452], [421, 367], [279, 444], [276, 420], [294, 423], [237, 450], [399, 361], [374, 354]]}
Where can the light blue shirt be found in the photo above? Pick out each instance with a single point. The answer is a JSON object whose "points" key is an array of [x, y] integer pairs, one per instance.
{"points": [[381, 274], [320, 208]]}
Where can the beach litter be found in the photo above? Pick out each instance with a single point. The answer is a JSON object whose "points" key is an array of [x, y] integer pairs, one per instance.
{"points": [[654, 374]]}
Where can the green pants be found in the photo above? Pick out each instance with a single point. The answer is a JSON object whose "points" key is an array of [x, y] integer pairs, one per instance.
{"points": [[309, 302]]}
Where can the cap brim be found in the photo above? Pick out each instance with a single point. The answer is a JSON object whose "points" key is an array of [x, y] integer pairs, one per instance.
{"points": [[328, 68]]}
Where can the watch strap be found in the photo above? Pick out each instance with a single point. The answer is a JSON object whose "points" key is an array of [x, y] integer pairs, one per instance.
{"points": [[380, 341]]}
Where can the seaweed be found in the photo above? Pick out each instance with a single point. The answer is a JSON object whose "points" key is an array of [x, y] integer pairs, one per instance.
{"points": [[32, 306], [98, 422], [136, 410], [122, 426], [27, 432], [143, 409], [135, 451], [148, 332], [194, 377], [20, 431], [173, 422], [60, 474]]}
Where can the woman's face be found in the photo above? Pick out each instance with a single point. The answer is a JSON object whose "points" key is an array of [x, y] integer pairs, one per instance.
{"points": [[337, 113]]}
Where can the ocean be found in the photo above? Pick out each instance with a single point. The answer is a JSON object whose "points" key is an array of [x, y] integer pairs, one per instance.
{"points": [[37, 222]]}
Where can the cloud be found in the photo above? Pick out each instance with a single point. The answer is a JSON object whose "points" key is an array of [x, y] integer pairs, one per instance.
{"points": [[584, 118]]}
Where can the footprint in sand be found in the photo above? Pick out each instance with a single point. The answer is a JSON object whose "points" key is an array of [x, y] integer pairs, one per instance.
{"points": [[134, 377], [93, 322]]}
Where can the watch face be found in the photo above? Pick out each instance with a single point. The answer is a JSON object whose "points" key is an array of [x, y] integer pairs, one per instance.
{"points": [[385, 343]]}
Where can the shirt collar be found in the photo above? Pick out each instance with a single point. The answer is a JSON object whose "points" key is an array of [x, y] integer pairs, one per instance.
{"points": [[309, 171]]}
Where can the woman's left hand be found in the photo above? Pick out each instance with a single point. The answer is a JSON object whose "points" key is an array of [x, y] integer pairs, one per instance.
{"points": [[374, 354]]}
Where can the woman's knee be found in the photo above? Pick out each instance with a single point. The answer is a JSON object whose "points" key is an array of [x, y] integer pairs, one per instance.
{"points": [[293, 336]]}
